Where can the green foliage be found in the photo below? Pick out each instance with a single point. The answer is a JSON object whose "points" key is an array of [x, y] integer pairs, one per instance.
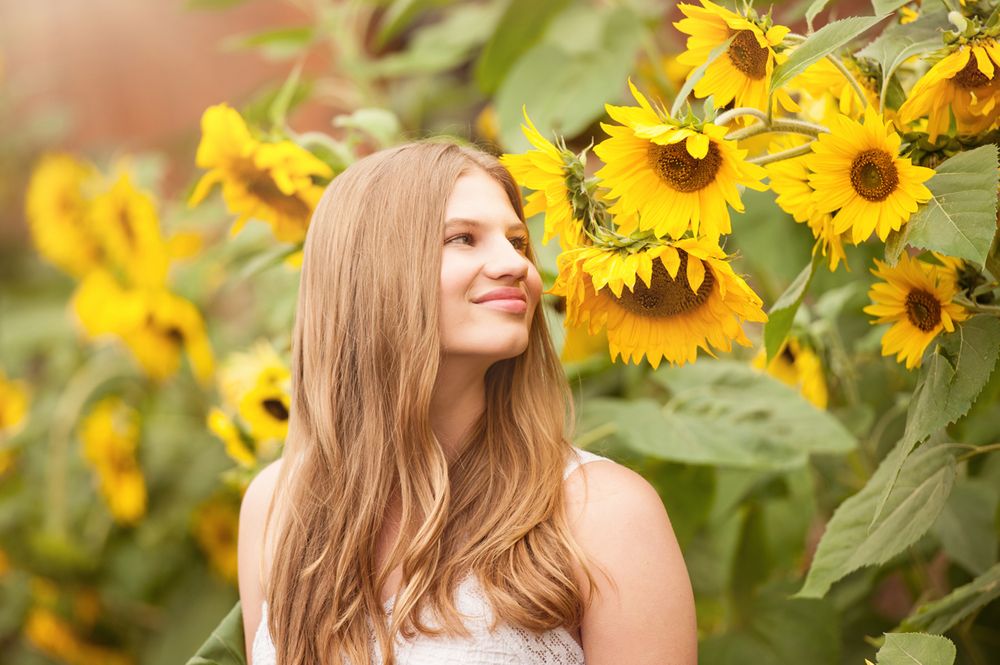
{"points": [[277, 44], [915, 649], [854, 538], [782, 312], [226, 644], [521, 27], [966, 527], [961, 218], [940, 615], [820, 44]]}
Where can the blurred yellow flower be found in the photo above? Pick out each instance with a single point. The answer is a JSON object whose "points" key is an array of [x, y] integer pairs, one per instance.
{"points": [[215, 527], [128, 228], [257, 384], [223, 427], [4, 563], [15, 397], [825, 91], [154, 324], [55, 637], [110, 437], [277, 183], [916, 298], [56, 205], [798, 366]]}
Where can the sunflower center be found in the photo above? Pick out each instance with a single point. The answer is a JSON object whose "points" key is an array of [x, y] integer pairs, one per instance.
{"points": [[748, 56], [970, 77], [675, 166], [666, 296], [263, 187], [275, 408], [874, 175], [923, 310]]}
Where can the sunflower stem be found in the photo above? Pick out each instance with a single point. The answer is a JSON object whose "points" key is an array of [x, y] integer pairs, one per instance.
{"points": [[980, 450], [784, 154], [978, 308], [858, 89], [783, 126], [728, 116], [595, 435]]}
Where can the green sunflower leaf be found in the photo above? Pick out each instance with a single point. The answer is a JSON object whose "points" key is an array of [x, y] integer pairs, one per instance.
{"points": [[820, 44], [960, 219], [965, 528], [886, 6], [940, 615], [721, 413], [915, 649], [225, 646], [782, 313], [924, 482], [950, 380], [520, 28]]}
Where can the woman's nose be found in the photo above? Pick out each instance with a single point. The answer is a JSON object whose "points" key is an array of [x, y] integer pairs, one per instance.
{"points": [[506, 261]]}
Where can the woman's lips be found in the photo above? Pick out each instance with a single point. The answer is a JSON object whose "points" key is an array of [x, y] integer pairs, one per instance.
{"points": [[506, 299]]}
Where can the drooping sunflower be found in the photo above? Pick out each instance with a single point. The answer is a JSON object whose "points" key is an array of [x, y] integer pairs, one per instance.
{"points": [[663, 301], [56, 206], [916, 298], [858, 175], [798, 366], [547, 169], [743, 74], [674, 177], [215, 525], [110, 437], [257, 384], [279, 183], [789, 179], [965, 84]]}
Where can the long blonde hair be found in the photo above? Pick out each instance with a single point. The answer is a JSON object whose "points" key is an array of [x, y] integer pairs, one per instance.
{"points": [[365, 356]]}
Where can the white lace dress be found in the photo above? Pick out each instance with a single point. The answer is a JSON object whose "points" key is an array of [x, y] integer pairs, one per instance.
{"points": [[507, 645]]}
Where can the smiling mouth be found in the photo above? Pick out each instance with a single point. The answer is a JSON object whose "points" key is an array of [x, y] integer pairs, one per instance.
{"points": [[512, 305]]}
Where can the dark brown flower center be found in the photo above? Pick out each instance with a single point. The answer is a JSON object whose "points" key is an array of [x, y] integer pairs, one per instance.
{"points": [[275, 408], [666, 296], [923, 310], [748, 56], [874, 175], [263, 187], [970, 77], [675, 166]]}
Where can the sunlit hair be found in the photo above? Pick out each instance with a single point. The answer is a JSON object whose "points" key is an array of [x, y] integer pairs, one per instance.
{"points": [[365, 355]]}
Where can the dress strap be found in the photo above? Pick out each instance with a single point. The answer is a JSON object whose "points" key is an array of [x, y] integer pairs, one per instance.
{"points": [[580, 457]]}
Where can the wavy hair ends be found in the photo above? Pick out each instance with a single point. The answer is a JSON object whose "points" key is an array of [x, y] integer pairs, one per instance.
{"points": [[365, 354]]}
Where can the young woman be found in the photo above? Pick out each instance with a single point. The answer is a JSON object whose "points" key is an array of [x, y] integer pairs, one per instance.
{"points": [[429, 507]]}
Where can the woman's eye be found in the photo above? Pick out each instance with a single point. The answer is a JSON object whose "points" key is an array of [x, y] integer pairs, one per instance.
{"points": [[462, 238], [520, 243]]}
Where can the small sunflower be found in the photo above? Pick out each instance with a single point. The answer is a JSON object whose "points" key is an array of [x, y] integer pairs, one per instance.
{"points": [[226, 430], [742, 75], [110, 437], [662, 301], [824, 90], [257, 384], [547, 170], [215, 525], [964, 83], [798, 366], [789, 180], [916, 298], [858, 175], [273, 182], [674, 177]]}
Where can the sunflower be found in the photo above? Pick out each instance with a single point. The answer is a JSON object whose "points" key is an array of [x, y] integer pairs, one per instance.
{"points": [[15, 398], [547, 170], [226, 430], [110, 437], [215, 525], [824, 91], [789, 180], [675, 177], [661, 301], [858, 175], [963, 83], [257, 384], [798, 366], [55, 637], [742, 75], [273, 182], [916, 298], [56, 206]]}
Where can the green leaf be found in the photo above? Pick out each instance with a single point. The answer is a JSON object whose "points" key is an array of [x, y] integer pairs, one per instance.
{"points": [[226, 644], [965, 527], [922, 487], [721, 413], [782, 313], [960, 219], [940, 615], [813, 11], [821, 43], [381, 124], [915, 649], [520, 28], [400, 14], [885, 6], [950, 380], [277, 43], [566, 91], [695, 76]]}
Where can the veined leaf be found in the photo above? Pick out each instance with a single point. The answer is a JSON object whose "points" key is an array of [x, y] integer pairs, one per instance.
{"points": [[814, 9], [782, 313], [940, 615], [915, 649], [965, 528], [950, 380], [821, 43], [960, 220], [520, 28], [919, 494]]}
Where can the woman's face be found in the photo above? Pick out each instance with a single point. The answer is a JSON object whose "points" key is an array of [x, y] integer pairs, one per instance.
{"points": [[489, 288]]}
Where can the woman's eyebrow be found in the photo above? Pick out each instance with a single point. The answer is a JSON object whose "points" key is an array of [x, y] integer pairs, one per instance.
{"points": [[457, 221]]}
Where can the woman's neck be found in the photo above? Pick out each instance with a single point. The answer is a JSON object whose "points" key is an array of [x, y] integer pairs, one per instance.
{"points": [[459, 399]]}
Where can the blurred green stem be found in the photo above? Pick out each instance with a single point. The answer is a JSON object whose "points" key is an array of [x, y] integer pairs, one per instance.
{"points": [[80, 387], [980, 450]]}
